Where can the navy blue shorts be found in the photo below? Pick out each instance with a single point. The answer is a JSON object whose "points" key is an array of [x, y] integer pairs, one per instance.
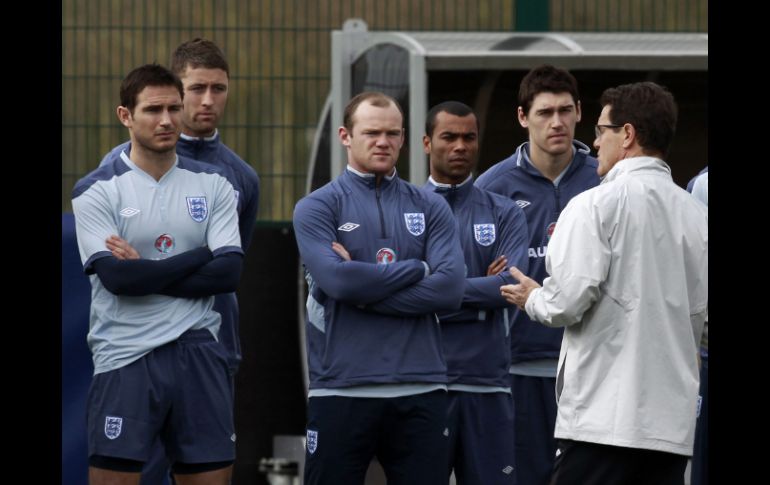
{"points": [[481, 438], [405, 433], [535, 409], [180, 392]]}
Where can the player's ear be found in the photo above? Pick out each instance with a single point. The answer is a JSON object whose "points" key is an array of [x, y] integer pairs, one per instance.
{"points": [[344, 136], [522, 117], [124, 115]]}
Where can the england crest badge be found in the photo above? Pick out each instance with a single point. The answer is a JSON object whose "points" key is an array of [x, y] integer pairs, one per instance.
{"points": [[197, 208], [484, 233], [312, 441], [112, 427], [415, 223]]}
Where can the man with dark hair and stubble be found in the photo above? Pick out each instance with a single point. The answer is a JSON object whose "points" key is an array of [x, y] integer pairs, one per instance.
{"points": [[541, 176], [205, 75], [158, 234], [628, 280]]}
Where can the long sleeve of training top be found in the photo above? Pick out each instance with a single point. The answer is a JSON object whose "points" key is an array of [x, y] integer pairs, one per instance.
{"points": [[490, 226], [139, 277], [353, 282], [542, 201], [476, 339], [440, 290], [484, 291], [387, 226], [192, 274], [247, 218], [220, 275], [479, 296]]}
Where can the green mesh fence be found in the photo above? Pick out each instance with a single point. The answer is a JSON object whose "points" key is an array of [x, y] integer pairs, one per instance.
{"points": [[279, 55]]}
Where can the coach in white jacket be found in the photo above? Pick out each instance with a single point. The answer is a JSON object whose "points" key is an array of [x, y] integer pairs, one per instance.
{"points": [[628, 265]]}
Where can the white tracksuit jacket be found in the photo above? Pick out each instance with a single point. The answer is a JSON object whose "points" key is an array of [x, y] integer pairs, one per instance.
{"points": [[628, 265]]}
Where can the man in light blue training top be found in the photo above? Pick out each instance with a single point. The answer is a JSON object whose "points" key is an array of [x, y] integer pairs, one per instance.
{"points": [[205, 75], [158, 235], [381, 257], [542, 176], [477, 337]]}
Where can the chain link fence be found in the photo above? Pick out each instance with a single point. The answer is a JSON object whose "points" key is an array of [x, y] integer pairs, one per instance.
{"points": [[279, 55]]}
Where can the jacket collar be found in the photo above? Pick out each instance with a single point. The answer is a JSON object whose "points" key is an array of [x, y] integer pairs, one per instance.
{"points": [[636, 164], [460, 190], [369, 179], [214, 137], [198, 148], [580, 152]]}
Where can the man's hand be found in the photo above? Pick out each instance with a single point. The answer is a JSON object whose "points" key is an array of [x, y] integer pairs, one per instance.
{"points": [[121, 249], [497, 266], [340, 249], [518, 294]]}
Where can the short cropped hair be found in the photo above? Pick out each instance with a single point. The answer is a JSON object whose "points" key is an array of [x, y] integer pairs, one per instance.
{"points": [[649, 107], [453, 108], [143, 76], [198, 53], [374, 98], [546, 79]]}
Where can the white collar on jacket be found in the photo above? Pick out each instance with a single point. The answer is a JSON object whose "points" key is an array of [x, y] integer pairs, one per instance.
{"points": [[628, 165]]}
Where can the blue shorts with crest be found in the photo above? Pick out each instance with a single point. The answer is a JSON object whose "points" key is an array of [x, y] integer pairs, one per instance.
{"points": [[180, 392]]}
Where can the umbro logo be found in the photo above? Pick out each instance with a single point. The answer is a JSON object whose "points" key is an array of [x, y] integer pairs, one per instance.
{"points": [[129, 211], [523, 203], [507, 470], [348, 226]]}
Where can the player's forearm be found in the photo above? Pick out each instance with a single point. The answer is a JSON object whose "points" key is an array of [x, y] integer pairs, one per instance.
{"points": [[220, 275], [359, 283], [484, 291], [140, 277], [441, 291]]}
